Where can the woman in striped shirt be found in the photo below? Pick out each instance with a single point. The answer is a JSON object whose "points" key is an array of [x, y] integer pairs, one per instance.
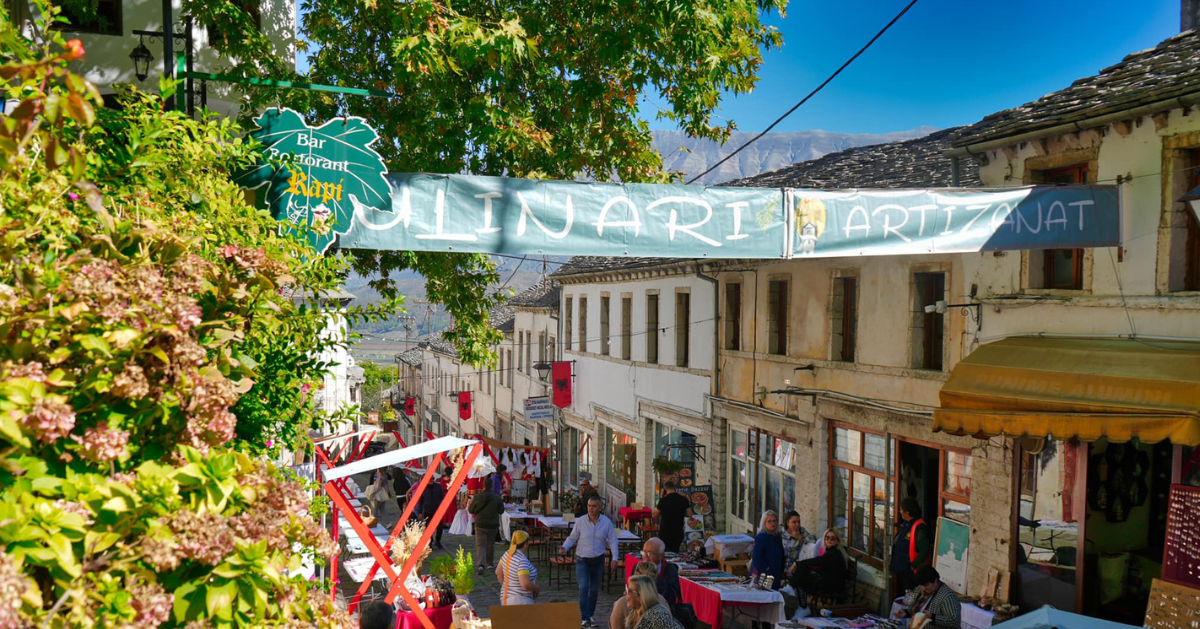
{"points": [[517, 575]]}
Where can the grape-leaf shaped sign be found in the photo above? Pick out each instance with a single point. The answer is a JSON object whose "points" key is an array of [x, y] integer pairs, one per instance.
{"points": [[316, 175]]}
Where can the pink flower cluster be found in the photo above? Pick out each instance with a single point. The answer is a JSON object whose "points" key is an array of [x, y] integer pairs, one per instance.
{"points": [[245, 257], [209, 421], [12, 587], [102, 444], [32, 371], [50, 419], [152, 604], [202, 537], [131, 383]]}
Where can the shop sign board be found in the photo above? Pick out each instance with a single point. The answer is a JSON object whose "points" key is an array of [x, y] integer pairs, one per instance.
{"points": [[539, 409]]}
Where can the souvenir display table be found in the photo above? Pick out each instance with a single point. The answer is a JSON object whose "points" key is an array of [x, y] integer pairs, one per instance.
{"points": [[709, 592], [973, 616], [442, 618]]}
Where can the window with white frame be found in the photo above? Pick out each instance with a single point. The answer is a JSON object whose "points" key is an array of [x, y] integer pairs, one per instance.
{"points": [[762, 474]]}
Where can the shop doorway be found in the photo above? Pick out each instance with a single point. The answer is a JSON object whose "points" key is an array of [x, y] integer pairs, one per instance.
{"points": [[920, 469]]}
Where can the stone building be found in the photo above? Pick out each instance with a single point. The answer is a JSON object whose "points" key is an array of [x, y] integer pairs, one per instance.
{"points": [[640, 334]]}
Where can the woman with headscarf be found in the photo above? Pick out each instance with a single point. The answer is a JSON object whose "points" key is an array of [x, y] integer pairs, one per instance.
{"points": [[795, 537], [646, 611], [620, 612], [517, 575], [827, 572]]}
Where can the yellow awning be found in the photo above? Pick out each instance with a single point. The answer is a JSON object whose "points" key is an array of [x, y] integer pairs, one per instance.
{"points": [[1076, 387]]}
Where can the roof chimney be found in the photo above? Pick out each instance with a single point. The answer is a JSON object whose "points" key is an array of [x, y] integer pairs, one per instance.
{"points": [[1189, 15]]}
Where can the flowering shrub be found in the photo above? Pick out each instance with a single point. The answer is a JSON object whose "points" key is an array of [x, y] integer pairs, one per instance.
{"points": [[155, 331]]}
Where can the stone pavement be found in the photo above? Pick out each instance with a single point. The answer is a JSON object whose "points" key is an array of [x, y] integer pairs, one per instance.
{"points": [[487, 588]]}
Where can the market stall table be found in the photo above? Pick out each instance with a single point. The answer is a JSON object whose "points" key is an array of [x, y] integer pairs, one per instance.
{"points": [[973, 616], [728, 545], [442, 617], [710, 600]]}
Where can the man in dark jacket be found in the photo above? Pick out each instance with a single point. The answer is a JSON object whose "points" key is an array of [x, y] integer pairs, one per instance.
{"points": [[400, 486], [586, 491], [654, 551], [431, 499], [487, 507], [912, 547]]}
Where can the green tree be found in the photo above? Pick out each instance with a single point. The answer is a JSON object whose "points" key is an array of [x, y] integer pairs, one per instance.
{"points": [[376, 378]]}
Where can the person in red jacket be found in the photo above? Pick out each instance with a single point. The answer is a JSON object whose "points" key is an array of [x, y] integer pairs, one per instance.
{"points": [[913, 545]]}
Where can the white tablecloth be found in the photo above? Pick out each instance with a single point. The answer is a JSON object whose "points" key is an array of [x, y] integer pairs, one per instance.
{"points": [[462, 523], [360, 566], [769, 603], [506, 519], [729, 544]]}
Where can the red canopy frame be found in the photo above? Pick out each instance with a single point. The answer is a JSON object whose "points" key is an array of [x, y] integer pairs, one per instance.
{"points": [[437, 449]]}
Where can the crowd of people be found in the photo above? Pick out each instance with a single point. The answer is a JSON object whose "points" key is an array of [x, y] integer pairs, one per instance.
{"points": [[652, 597]]}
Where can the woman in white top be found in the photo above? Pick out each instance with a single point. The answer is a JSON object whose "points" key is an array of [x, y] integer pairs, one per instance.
{"points": [[517, 575]]}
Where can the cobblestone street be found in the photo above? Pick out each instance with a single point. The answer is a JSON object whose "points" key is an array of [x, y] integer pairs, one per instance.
{"points": [[487, 588]]}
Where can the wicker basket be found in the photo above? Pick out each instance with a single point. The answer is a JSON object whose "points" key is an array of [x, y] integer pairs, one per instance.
{"points": [[368, 516]]}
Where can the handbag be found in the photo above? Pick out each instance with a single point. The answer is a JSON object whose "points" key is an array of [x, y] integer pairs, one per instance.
{"points": [[685, 615]]}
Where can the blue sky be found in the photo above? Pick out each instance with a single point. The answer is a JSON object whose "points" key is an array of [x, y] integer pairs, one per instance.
{"points": [[945, 63]]}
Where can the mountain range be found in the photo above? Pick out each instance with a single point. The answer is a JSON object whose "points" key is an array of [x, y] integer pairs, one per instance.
{"points": [[771, 152]]}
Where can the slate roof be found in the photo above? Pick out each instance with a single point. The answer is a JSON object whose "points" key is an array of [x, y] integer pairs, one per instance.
{"points": [[916, 163], [543, 294], [501, 316], [435, 344], [587, 265], [412, 357], [1167, 71]]}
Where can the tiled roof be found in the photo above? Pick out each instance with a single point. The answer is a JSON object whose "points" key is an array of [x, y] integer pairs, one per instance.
{"points": [[501, 315], [587, 265], [1169, 70], [917, 163], [435, 344], [412, 357], [543, 294]]}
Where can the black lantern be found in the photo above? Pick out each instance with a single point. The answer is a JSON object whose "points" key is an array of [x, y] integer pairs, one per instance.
{"points": [[142, 58], [543, 370]]}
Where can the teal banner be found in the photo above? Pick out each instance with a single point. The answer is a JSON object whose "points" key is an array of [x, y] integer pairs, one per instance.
{"points": [[909, 222], [329, 184], [522, 216]]}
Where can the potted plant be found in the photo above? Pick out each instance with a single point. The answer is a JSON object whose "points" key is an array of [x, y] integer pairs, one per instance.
{"points": [[664, 467]]}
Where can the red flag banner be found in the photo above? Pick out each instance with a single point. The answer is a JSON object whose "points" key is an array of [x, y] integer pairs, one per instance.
{"points": [[560, 376], [464, 405], [410, 406]]}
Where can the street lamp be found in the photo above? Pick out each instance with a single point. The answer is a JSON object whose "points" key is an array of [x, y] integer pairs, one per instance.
{"points": [[543, 370], [142, 58]]}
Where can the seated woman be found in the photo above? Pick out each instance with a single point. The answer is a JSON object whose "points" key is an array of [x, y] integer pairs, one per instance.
{"points": [[645, 609], [825, 573], [517, 574], [620, 610]]}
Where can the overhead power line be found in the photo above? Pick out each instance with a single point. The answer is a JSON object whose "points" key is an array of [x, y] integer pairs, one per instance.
{"points": [[810, 94]]}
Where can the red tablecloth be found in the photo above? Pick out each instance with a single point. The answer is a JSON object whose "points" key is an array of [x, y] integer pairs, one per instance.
{"points": [[442, 618], [628, 514], [706, 601]]}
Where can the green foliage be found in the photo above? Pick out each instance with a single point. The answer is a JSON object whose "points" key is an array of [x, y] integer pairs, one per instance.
{"points": [[376, 378], [150, 319], [464, 573]]}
